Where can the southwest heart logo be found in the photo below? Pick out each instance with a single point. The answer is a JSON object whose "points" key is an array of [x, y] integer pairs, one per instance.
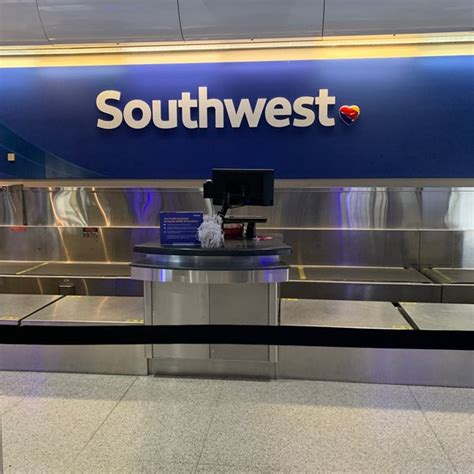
{"points": [[349, 113]]}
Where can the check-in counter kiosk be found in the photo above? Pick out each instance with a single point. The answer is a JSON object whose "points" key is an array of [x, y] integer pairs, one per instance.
{"points": [[237, 283]]}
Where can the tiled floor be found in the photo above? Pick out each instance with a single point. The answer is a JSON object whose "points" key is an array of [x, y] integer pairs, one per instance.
{"points": [[93, 423]]}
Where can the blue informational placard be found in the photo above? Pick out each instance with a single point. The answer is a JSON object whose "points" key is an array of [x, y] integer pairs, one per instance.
{"points": [[180, 228], [344, 118]]}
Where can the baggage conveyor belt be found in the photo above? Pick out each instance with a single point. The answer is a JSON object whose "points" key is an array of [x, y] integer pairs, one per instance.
{"points": [[74, 311], [418, 367], [431, 285], [360, 283]]}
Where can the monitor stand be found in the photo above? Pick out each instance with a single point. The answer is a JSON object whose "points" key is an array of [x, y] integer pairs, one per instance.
{"points": [[251, 221]]}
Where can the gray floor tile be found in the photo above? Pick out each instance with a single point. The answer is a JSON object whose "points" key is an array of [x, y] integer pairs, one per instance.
{"points": [[130, 465], [450, 412], [319, 426], [16, 385], [47, 429], [159, 420]]}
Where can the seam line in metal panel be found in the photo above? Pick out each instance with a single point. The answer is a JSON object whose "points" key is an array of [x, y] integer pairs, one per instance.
{"points": [[324, 19], [39, 309], [179, 21], [408, 318], [31, 268], [42, 25]]}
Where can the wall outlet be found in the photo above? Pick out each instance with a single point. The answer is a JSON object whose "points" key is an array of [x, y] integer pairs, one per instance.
{"points": [[11, 157]]}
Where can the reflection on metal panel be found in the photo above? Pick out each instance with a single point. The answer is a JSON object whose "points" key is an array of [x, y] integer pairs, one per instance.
{"points": [[447, 249], [20, 23], [89, 310], [71, 245], [89, 21], [248, 19], [362, 291], [11, 205], [374, 226], [352, 247], [296, 207], [15, 307], [344, 17], [441, 317], [89, 206], [354, 314]]}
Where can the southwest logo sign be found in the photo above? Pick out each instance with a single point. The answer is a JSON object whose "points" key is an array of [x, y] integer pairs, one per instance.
{"points": [[193, 113], [349, 113]]}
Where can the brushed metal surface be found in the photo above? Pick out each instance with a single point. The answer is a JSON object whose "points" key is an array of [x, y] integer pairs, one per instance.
{"points": [[114, 360], [107, 206], [102, 21], [214, 368], [11, 197], [20, 23], [176, 303], [13, 308], [240, 304], [447, 249], [364, 291], [391, 366], [13, 268], [69, 269], [165, 275], [368, 274], [331, 224], [432, 316], [383, 248], [90, 310], [48, 285], [458, 294], [300, 205], [454, 275], [349, 314], [248, 19], [372, 17]]}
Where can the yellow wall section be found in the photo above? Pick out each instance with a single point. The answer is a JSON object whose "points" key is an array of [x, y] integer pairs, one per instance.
{"points": [[356, 47]]}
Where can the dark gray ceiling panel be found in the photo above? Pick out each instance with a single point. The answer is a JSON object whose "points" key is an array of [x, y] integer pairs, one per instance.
{"points": [[110, 21], [352, 17], [248, 19], [20, 23]]}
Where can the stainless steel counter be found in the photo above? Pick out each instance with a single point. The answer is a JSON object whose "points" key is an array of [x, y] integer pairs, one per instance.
{"points": [[350, 314], [441, 316], [13, 308]]}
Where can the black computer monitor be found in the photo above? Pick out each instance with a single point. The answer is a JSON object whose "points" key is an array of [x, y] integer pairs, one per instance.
{"points": [[242, 187]]}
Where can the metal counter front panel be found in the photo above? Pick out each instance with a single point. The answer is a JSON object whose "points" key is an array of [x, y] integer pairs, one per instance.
{"points": [[413, 121]]}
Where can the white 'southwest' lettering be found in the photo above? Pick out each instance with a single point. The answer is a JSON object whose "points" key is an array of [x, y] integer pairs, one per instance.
{"points": [[194, 113]]}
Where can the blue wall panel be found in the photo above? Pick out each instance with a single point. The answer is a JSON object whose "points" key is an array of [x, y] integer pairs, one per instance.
{"points": [[416, 120]]}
